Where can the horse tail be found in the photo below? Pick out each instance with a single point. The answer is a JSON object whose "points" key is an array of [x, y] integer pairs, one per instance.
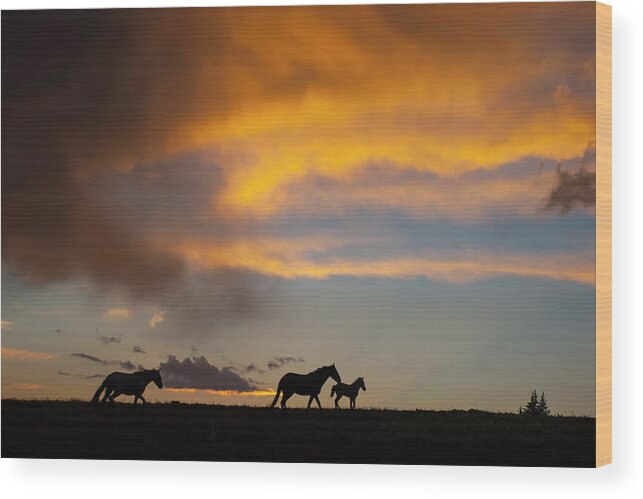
{"points": [[332, 391], [279, 390], [98, 392]]}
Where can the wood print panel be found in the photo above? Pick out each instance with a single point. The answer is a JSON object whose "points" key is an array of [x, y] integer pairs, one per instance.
{"points": [[383, 230]]}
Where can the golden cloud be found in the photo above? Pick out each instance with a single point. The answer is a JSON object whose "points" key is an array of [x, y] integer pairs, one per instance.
{"points": [[281, 95], [157, 319], [289, 259], [117, 313]]}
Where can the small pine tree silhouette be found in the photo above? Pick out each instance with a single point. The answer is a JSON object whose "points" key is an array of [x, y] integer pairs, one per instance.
{"points": [[542, 406], [535, 406]]}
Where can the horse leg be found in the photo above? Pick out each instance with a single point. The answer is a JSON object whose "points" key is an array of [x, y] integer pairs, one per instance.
{"points": [[284, 398], [352, 403], [317, 400], [310, 401], [142, 399], [108, 392], [337, 401], [113, 395]]}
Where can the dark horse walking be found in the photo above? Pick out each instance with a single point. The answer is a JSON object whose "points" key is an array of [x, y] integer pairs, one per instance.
{"points": [[116, 384], [305, 384], [351, 391]]}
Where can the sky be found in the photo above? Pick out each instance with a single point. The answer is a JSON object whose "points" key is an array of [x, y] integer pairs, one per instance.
{"points": [[230, 194]]}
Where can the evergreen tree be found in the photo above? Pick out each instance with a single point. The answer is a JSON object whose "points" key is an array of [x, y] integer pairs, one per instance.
{"points": [[536, 406], [542, 406]]}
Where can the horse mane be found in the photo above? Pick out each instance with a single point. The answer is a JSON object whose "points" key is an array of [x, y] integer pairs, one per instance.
{"points": [[319, 369]]}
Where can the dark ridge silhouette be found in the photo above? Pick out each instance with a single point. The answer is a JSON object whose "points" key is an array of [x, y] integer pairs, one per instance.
{"points": [[176, 431], [117, 383], [305, 384], [351, 391]]}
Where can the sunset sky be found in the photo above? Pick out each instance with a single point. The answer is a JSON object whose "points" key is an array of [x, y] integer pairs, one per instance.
{"points": [[235, 193]]}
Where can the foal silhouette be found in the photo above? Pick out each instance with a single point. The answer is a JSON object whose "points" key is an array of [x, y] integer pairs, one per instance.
{"points": [[351, 391], [305, 384], [118, 383]]}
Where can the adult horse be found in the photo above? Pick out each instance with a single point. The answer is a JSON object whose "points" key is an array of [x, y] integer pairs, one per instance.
{"points": [[305, 384], [117, 383], [351, 391]]}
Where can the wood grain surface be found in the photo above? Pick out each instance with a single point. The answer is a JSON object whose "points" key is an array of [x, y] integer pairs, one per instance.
{"points": [[603, 234]]}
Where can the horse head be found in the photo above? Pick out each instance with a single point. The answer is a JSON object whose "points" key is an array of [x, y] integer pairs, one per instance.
{"points": [[332, 372], [361, 384], [156, 377]]}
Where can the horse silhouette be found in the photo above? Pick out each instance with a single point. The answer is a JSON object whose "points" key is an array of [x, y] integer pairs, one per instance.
{"points": [[305, 384], [118, 383], [351, 391]]}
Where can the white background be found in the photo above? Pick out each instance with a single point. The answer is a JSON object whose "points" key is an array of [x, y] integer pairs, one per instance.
{"points": [[624, 478]]}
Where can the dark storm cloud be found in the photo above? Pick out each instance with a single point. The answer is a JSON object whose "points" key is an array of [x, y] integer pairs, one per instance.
{"points": [[63, 373], [106, 340], [199, 374], [252, 368], [575, 188], [99, 90], [278, 362], [137, 349]]}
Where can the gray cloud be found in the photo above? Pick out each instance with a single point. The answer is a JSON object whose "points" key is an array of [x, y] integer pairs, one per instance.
{"points": [[198, 373], [575, 188], [123, 364], [88, 357], [252, 368], [106, 340], [278, 362], [137, 349], [92, 376]]}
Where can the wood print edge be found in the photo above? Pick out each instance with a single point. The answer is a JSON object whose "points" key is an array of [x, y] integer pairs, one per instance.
{"points": [[603, 234]]}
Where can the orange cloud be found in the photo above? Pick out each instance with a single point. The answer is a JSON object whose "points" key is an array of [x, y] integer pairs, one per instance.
{"points": [[26, 386], [282, 92], [280, 95], [225, 393], [18, 354], [118, 313], [157, 319]]}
